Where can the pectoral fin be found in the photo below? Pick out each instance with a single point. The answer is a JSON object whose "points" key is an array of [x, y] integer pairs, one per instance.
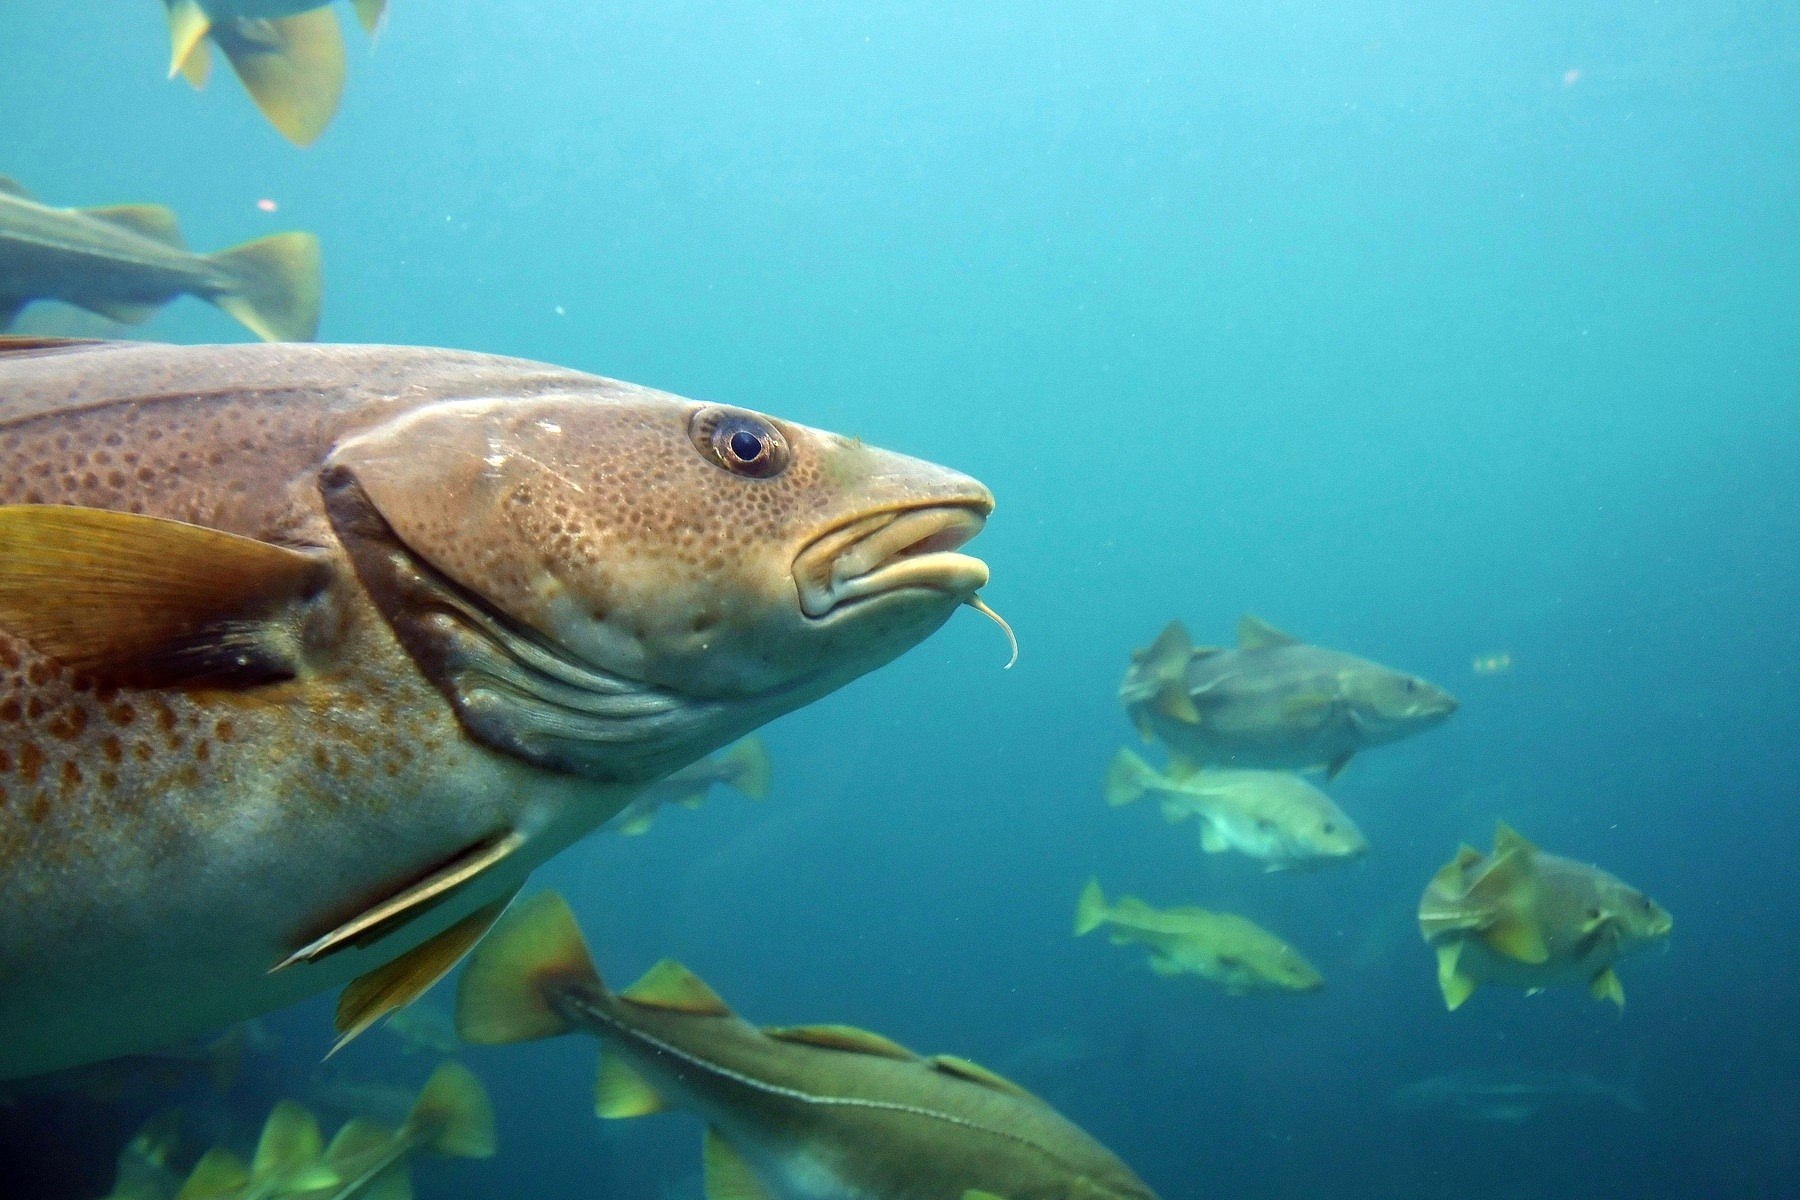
{"points": [[143, 602], [188, 27], [1518, 938], [620, 1093], [1456, 986], [1606, 986], [1336, 766], [728, 1176], [293, 67], [375, 923], [394, 985]]}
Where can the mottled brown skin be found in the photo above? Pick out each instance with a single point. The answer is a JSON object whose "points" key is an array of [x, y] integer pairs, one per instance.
{"points": [[161, 849]]}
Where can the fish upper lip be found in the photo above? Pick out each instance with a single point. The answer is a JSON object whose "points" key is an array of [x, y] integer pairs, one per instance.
{"points": [[908, 546]]}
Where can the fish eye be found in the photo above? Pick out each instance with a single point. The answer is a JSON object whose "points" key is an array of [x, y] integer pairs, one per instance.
{"points": [[1411, 685], [1329, 827], [740, 442]]}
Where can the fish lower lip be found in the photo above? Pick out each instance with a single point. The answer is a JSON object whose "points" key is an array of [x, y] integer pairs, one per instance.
{"points": [[898, 550]]}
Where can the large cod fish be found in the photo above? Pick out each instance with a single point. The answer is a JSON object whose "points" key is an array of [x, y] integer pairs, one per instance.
{"points": [[309, 654], [1272, 702], [819, 1112]]}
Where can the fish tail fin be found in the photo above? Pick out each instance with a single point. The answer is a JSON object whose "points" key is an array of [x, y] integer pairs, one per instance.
{"points": [[219, 1173], [1157, 669], [747, 768], [1129, 778], [273, 286], [1090, 911], [370, 14], [291, 1150], [506, 991], [225, 1058], [293, 67], [455, 1113]]}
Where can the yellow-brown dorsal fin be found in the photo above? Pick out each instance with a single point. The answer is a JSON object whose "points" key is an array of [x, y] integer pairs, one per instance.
{"points": [[672, 987], [1506, 838], [973, 1072], [391, 986], [140, 601], [152, 221], [375, 923], [293, 67], [843, 1037], [219, 1173], [1172, 648], [620, 1093], [1254, 633], [453, 1114], [728, 1176]]}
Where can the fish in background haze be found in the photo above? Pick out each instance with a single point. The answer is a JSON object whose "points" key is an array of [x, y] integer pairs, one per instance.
{"points": [[218, 1060], [452, 1118], [1522, 918], [422, 1028], [808, 1111], [745, 767], [144, 1171], [1275, 817], [289, 1160], [1224, 948], [1510, 1094], [311, 714], [288, 54], [126, 261], [1272, 702]]}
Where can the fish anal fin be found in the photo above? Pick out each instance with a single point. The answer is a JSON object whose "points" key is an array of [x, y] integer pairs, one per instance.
{"points": [[843, 1037], [1456, 986], [1606, 986], [728, 1176], [1518, 938], [620, 1093], [672, 987], [376, 922], [146, 220], [293, 67], [394, 985], [1254, 633], [145, 602], [973, 1072]]}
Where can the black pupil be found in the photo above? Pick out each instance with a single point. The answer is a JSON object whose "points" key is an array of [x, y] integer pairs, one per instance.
{"points": [[746, 445]]}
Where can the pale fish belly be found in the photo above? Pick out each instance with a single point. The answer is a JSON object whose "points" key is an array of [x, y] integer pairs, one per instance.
{"points": [[1485, 966], [161, 851]]}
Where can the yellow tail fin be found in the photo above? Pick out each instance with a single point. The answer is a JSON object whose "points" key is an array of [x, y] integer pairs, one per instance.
{"points": [[219, 1173], [1128, 778], [746, 767], [293, 67], [503, 993], [1090, 910], [454, 1114], [273, 286]]}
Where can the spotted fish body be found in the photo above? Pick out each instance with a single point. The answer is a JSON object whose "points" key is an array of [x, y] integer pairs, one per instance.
{"points": [[499, 651]]}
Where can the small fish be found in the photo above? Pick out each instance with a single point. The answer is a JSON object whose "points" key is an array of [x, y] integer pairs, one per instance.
{"points": [[1509, 1094], [287, 53], [1273, 702], [127, 261], [310, 654], [1522, 918], [452, 1118], [1227, 949], [1275, 817], [814, 1111], [744, 767], [289, 1161]]}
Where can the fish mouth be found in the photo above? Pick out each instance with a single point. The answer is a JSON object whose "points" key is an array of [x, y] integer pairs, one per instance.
{"points": [[910, 549]]}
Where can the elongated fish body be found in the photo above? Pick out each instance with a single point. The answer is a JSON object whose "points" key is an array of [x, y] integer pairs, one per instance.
{"points": [[744, 766], [332, 645], [1231, 951], [808, 1112], [1519, 917], [1274, 702], [128, 261]]}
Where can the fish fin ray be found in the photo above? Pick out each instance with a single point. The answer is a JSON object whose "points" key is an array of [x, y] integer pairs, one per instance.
{"points": [[1518, 938], [1606, 986], [290, 1144], [843, 1037], [1456, 986], [188, 27], [218, 1174], [748, 768], [500, 996]]}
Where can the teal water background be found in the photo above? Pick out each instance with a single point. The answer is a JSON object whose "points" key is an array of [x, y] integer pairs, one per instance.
{"points": [[1428, 331]]}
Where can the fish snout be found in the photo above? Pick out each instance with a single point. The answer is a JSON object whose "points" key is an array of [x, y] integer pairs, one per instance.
{"points": [[907, 548]]}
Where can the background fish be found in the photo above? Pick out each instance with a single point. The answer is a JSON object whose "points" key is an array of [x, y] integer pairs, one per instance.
{"points": [[1511, 1094], [1527, 919], [1272, 702], [452, 1118], [744, 767], [1227, 949], [824, 1110], [1275, 817], [287, 53], [126, 261], [311, 653]]}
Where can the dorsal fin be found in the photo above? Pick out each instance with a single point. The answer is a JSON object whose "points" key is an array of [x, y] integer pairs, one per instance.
{"points": [[1173, 643], [672, 987], [843, 1037], [1506, 838], [962, 1068], [152, 221], [1254, 633]]}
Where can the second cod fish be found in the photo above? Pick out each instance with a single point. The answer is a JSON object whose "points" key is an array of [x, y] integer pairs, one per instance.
{"points": [[1527, 919], [819, 1111], [744, 767], [1237, 954], [127, 261], [1275, 817], [1272, 702], [310, 654]]}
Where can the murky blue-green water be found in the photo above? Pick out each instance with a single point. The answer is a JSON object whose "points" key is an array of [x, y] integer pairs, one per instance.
{"points": [[1430, 332]]}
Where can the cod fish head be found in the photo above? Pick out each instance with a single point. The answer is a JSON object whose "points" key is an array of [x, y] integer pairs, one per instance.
{"points": [[1388, 705], [1637, 918], [1332, 835], [616, 581]]}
